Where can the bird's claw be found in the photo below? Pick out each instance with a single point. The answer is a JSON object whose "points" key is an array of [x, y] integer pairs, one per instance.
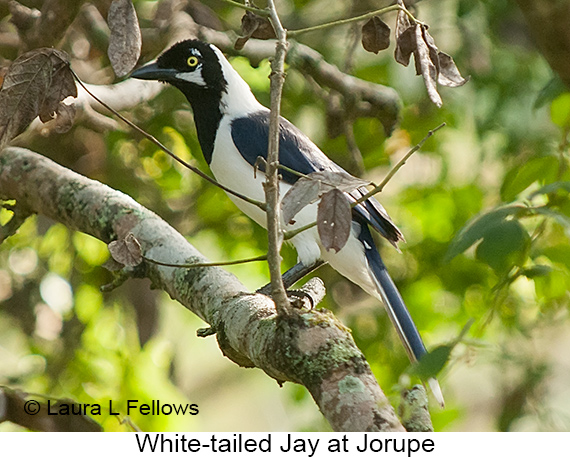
{"points": [[300, 299]]}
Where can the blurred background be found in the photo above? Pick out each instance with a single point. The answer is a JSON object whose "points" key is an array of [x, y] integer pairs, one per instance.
{"points": [[505, 143]]}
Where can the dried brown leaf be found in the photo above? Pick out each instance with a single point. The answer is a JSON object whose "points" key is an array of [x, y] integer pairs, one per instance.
{"points": [[334, 220], [375, 35], [62, 86], [430, 42], [125, 41], [405, 37], [35, 84], [254, 26], [64, 116], [304, 192], [448, 73], [127, 252], [436, 67], [240, 42], [112, 265], [338, 179], [403, 21], [405, 46], [425, 66], [309, 189]]}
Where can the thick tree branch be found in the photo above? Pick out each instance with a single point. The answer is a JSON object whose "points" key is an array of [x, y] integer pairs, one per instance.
{"points": [[310, 348], [548, 21], [414, 410], [48, 27]]}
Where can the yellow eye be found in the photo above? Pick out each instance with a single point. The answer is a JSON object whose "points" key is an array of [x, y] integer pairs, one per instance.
{"points": [[192, 61]]}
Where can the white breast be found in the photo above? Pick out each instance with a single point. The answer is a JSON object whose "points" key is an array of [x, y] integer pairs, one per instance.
{"points": [[232, 170]]}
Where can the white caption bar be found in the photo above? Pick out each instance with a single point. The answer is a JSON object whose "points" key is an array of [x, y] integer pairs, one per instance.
{"points": [[286, 444]]}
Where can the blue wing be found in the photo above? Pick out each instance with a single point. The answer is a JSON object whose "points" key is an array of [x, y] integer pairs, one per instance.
{"points": [[296, 151], [250, 134]]}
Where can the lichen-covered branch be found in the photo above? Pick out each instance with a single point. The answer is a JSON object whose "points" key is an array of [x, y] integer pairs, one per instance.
{"points": [[311, 348], [414, 410]]}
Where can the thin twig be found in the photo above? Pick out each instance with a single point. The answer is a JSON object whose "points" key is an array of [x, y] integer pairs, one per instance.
{"points": [[206, 264], [293, 172], [273, 211], [253, 9], [396, 167], [152, 139], [388, 9]]}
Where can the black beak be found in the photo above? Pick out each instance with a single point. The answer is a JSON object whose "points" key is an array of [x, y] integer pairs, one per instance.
{"points": [[152, 71]]}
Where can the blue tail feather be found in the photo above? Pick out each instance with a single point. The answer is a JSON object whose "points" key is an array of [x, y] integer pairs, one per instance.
{"points": [[397, 310], [395, 306]]}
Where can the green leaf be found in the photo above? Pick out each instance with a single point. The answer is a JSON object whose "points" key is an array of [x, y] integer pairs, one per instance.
{"points": [[560, 110], [562, 219], [478, 227], [520, 177], [504, 245], [433, 362], [548, 93], [536, 271], [553, 286], [558, 253], [551, 188]]}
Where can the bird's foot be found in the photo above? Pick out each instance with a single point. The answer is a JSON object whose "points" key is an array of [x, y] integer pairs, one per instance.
{"points": [[300, 299], [292, 275], [307, 297]]}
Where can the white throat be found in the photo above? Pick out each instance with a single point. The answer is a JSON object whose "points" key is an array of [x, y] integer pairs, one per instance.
{"points": [[238, 100]]}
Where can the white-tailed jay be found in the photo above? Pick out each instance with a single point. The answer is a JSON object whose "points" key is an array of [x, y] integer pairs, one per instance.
{"points": [[233, 128]]}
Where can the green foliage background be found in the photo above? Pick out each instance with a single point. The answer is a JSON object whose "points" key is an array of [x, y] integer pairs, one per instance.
{"points": [[484, 207]]}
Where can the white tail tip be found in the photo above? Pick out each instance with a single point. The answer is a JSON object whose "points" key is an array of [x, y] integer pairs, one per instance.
{"points": [[436, 391]]}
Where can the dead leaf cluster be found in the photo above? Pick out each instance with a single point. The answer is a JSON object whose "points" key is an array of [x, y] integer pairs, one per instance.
{"points": [[435, 66]]}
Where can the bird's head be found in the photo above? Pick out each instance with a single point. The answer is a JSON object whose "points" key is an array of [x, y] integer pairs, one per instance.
{"points": [[204, 75], [188, 65]]}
